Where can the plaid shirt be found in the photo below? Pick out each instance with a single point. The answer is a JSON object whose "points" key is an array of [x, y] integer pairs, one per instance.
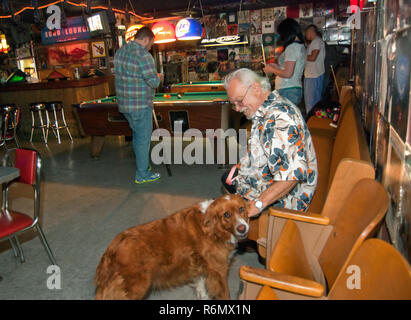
{"points": [[135, 77]]}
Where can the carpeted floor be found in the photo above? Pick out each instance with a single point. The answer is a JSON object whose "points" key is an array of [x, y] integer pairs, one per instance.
{"points": [[85, 203]]}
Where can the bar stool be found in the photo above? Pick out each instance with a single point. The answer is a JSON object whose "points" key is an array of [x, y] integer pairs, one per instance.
{"points": [[38, 108], [53, 107], [10, 118]]}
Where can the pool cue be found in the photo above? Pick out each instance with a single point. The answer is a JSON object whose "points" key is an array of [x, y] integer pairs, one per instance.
{"points": [[262, 49], [335, 82], [154, 112]]}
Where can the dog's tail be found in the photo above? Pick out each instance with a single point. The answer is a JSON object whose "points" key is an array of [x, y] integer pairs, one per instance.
{"points": [[109, 283], [112, 289]]}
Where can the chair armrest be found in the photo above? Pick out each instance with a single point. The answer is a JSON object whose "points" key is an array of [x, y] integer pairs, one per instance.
{"points": [[299, 216], [282, 281]]}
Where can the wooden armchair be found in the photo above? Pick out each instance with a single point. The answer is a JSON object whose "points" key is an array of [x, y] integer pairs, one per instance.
{"points": [[310, 252], [382, 272]]}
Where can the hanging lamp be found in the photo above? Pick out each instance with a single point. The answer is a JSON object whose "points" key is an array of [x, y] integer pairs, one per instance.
{"points": [[163, 32]]}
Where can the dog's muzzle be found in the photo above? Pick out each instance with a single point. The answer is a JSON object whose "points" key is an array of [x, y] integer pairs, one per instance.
{"points": [[242, 229]]}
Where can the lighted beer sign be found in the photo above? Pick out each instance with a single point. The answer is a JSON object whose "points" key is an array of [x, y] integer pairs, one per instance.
{"points": [[225, 41], [75, 30], [131, 32], [188, 29], [182, 28], [163, 32]]}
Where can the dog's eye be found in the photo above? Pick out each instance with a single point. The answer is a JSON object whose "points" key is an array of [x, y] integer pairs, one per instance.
{"points": [[241, 209], [227, 215]]}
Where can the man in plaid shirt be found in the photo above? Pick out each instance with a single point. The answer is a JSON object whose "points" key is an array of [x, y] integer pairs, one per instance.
{"points": [[136, 79]]}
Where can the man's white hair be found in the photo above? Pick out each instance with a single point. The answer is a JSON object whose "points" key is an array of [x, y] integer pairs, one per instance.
{"points": [[247, 77]]}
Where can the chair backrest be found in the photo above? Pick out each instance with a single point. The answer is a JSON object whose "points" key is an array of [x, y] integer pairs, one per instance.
{"points": [[349, 142], [293, 262], [357, 220], [27, 161], [381, 273]]}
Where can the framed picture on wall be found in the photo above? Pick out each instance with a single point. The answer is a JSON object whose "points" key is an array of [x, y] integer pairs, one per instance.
{"points": [[98, 49]]}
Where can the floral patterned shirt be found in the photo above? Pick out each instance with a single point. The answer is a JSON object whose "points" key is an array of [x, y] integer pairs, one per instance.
{"points": [[280, 148]]}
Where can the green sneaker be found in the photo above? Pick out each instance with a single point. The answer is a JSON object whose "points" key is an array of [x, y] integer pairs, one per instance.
{"points": [[152, 178]]}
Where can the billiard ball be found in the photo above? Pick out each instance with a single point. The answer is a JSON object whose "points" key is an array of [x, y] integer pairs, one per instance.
{"points": [[165, 95], [179, 96]]}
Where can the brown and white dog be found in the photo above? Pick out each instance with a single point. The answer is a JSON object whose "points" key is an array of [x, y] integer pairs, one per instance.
{"points": [[193, 246]]}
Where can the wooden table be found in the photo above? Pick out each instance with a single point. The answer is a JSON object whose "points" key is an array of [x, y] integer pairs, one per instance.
{"points": [[7, 174]]}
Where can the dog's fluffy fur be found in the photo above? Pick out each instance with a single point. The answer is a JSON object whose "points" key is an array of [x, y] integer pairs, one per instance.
{"points": [[192, 246]]}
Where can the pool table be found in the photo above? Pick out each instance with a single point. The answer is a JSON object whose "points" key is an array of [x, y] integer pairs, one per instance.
{"points": [[197, 86], [199, 110]]}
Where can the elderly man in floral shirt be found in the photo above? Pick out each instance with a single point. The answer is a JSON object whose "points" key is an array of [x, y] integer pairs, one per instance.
{"points": [[280, 167]]}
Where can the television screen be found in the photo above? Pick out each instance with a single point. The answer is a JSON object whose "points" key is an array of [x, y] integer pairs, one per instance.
{"points": [[98, 23]]}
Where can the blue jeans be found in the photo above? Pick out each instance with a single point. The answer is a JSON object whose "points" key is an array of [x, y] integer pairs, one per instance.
{"points": [[141, 123], [313, 90], [293, 94]]}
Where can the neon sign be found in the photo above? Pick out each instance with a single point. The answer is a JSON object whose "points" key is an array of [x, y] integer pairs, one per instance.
{"points": [[225, 41], [75, 30]]}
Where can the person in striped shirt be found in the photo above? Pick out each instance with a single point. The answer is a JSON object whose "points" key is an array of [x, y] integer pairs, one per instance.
{"points": [[136, 79]]}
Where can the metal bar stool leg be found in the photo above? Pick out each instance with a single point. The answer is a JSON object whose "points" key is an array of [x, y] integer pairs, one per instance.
{"points": [[42, 126], [45, 244], [57, 126], [48, 125], [65, 124]]}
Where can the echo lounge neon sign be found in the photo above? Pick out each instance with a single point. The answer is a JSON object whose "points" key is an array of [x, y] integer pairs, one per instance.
{"points": [[75, 30]]}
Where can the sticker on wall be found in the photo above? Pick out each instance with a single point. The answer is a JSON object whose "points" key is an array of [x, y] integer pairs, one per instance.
{"points": [[243, 16], [256, 40], [267, 14], [98, 49], [306, 10], [293, 12], [255, 22], [221, 25], [268, 26], [232, 18], [244, 28], [269, 39], [319, 9], [210, 27], [280, 13], [232, 29]]}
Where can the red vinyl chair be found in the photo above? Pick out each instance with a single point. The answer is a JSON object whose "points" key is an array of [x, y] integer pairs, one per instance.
{"points": [[12, 223]]}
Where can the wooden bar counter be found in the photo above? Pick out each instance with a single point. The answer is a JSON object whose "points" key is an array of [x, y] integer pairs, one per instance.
{"points": [[69, 91]]}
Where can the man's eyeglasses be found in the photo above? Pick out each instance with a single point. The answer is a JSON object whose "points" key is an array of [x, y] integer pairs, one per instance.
{"points": [[239, 103]]}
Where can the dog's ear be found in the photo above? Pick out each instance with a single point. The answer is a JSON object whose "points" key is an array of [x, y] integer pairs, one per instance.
{"points": [[210, 216]]}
